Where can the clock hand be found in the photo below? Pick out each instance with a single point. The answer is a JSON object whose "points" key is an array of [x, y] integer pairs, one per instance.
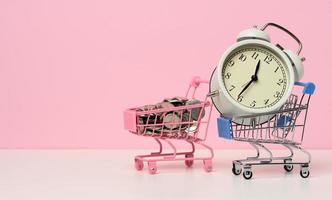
{"points": [[254, 78], [256, 71], [245, 83], [257, 68], [244, 89]]}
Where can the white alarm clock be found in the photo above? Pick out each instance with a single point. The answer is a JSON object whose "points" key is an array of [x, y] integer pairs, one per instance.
{"points": [[255, 76]]}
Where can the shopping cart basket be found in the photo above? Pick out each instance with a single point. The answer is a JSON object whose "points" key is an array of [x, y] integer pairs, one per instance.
{"points": [[188, 122], [284, 127]]}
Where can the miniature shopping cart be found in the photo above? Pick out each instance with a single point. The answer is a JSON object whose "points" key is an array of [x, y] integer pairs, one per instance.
{"points": [[283, 127], [166, 122]]}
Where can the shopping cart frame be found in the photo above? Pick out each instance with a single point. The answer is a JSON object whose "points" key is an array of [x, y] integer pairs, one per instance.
{"points": [[198, 138], [254, 135]]}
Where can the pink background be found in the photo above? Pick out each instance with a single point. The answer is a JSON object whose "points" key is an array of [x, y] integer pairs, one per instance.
{"points": [[68, 68]]}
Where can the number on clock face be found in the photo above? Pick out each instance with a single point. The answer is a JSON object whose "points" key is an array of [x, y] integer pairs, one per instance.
{"points": [[272, 77]]}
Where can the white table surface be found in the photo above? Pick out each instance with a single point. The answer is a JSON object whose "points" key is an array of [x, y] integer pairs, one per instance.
{"points": [[109, 174]]}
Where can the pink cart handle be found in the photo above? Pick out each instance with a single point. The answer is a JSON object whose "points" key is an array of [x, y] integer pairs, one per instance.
{"points": [[196, 81]]}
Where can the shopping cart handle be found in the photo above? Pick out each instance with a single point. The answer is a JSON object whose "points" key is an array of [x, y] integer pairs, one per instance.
{"points": [[308, 88], [196, 81]]}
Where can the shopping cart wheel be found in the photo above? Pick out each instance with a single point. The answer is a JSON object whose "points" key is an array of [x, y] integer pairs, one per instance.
{"points": [[207, 165], [152, 167], [288, 167], [236, 169], [139, 164], [189, 163], [304, 172], [247, 174]]}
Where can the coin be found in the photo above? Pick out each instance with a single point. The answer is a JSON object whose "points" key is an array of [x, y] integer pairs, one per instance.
{"points": [[141, 129], [171, 120], [192, 129], [164, 104], [154, 129], [195, 112], [148, 107], [176, 101]]}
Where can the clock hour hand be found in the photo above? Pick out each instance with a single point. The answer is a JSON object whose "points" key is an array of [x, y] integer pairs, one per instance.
{"points": [[257, 68]]}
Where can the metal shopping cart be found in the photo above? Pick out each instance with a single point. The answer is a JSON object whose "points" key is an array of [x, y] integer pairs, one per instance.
{"points": [[284, 127], [182, 119]]}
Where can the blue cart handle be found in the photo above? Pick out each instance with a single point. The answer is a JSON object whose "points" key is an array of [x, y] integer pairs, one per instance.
{"points": [[308, 88]]}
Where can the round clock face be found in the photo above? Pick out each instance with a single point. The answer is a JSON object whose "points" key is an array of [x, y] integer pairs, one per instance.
{"points": [[255, 76]]}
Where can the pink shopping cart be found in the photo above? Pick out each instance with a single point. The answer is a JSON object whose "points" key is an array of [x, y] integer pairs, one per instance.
{"points": [[180, 118]]}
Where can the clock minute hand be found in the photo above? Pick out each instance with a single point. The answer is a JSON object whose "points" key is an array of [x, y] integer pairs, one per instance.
{"points": [[253, 78], [246, 87]]}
